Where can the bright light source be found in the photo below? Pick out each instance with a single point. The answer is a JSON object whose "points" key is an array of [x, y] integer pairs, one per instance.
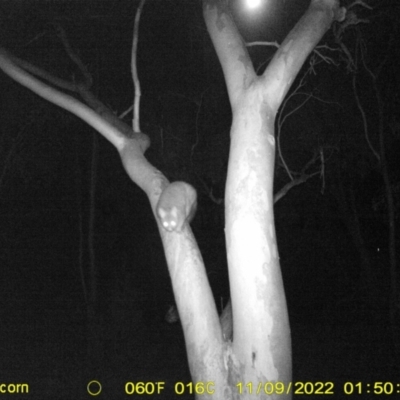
{"points": [[253, 3]]}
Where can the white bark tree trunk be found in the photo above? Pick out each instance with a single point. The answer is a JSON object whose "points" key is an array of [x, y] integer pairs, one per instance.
{"points": [[261, 348]]}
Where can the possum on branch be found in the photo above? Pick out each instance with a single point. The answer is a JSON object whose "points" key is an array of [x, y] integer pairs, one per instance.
{"points": [[177, 205]]}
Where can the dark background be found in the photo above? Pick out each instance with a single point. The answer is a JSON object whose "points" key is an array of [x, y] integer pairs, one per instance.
{"points": [[340, 331]]}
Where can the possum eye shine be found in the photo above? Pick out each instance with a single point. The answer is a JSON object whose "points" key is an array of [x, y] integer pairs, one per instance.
{"points": [[176, 206]]}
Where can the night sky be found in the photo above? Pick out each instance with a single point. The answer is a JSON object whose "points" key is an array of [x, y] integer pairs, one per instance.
{"points": [[51, 163]]}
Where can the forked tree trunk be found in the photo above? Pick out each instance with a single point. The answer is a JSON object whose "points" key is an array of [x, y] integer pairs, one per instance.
{"points": [[261, 347]]}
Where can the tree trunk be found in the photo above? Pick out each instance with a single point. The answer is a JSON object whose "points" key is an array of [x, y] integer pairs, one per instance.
{"points": [[261, 347], [261, 343]]}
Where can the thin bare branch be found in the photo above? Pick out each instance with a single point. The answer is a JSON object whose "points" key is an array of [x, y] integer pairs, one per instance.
{"points": [[281, 121], [60, 83], [135, 78], [297, 181], [359, 3], [73, 56], [262, 43]]}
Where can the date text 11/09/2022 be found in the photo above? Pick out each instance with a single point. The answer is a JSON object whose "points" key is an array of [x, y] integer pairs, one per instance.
{"points": [[269, 388]]}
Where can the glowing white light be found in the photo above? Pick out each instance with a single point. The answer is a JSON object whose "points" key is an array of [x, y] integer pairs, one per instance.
{"points": [[253, 3]]}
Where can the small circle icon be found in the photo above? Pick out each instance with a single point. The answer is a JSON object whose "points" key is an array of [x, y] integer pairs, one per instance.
{"points": [[94, 388]]}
